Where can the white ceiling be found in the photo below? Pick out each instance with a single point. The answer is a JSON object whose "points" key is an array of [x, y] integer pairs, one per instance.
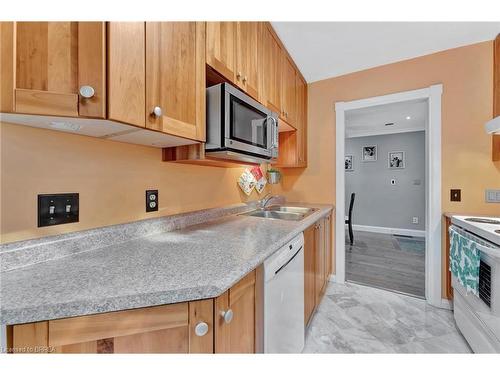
{"points": [[371, 120], [328, 49]]}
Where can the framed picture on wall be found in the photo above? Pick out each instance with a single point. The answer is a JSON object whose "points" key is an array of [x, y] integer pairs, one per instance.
{"points": [[396, 160], [369, 153], [349, 166]]}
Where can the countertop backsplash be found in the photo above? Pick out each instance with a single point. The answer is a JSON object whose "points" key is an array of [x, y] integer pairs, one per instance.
{"points": [[24, 253]]}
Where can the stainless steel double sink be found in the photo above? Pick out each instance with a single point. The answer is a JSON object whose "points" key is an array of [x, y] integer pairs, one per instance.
{"points": [[282, 212]]}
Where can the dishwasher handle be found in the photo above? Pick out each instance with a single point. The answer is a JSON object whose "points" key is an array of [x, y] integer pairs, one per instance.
{"points": [[288, 261]]}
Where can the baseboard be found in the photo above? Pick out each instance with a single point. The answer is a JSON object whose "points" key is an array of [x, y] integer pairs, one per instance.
{"points": [[400, 231]]}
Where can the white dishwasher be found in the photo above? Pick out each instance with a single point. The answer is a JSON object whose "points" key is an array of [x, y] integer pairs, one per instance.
{"points": [[284, 299]]}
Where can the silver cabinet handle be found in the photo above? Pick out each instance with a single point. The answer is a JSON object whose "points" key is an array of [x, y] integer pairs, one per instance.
{"points": [[227, 316], [87, 92], [201, 329], [157, 111]]}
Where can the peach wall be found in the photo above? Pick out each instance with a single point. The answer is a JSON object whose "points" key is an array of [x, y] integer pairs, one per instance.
{"points": [[111, 178], [467, 103]]}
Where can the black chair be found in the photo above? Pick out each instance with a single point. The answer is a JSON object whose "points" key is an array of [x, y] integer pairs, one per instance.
{"points": [[348, 221]]}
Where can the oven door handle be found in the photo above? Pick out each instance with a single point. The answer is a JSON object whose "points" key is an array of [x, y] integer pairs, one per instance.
{"points": [[488, 250]]}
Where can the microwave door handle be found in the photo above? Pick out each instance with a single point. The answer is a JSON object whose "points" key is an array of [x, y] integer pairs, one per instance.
{"points": [[274, 132]]}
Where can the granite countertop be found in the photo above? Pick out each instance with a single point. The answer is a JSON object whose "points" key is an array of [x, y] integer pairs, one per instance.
{"points": [[197, 262]]}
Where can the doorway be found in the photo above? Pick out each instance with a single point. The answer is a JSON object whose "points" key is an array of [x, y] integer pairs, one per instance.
{"points": [[431, 96], [385, 196]]}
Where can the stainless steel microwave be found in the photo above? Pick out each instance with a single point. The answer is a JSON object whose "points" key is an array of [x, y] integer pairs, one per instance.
{"points": [[239, 127]]}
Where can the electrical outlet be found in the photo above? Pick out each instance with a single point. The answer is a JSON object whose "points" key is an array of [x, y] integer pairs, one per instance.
{"points": [[455, 195], [151, 200], [55, 209], [492, 196], [415, 220]]}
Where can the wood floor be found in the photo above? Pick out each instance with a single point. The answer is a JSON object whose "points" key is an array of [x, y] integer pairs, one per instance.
{"points": [[379, 260]]}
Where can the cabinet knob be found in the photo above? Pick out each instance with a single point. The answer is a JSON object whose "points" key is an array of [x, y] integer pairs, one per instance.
{"points": [[227, 316], [238, 75], [87, 92], [157, 111], [201, 329], [244, 79]]}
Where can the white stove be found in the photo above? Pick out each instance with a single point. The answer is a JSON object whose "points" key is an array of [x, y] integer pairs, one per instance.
{"points": [[478, 316], [485, 227]]}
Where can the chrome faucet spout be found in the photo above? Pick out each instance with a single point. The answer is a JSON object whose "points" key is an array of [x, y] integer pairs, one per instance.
{"points": [[267, 198]]}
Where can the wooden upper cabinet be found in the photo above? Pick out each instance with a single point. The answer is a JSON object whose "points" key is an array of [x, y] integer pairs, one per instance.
{"points": [[175, 78], [496, 76], [272, 69], [46, 64], [221, 48], [248, 39], [235, 320], [288, 91], [301, 121], [127, 72], [495, 146]]}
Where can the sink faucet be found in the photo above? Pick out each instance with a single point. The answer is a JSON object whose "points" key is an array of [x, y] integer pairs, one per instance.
{"points": [[267, 198]]}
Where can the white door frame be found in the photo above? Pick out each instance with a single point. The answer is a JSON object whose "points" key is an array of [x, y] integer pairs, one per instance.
{"points": [[432, 187]]}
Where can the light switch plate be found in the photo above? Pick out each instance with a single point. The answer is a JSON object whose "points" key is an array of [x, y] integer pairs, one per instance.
{"points": [[55, 209], [492, 196]]}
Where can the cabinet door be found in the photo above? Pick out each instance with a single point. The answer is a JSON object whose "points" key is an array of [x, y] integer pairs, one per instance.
{"points": [[235, 318], [320, 271], [309, 273], [221, 48], [288, 91], [301, 121], [175, 78], [328, 247], [161, 329], [127, 72], [51, 62], [247, 57], [272, 70]]}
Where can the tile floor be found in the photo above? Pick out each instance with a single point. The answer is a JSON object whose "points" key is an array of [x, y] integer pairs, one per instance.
{"points": [[383, 261], [358, 319]]}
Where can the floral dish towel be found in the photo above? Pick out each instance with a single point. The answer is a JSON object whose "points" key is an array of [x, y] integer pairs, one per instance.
{"points": [[464, 261]]}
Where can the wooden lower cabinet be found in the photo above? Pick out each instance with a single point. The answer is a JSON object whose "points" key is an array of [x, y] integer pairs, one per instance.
{"points": [[159, 329], [230, 323], [317, 264], [448, 289], [309, 273], [235, 318], [320, 260]]}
